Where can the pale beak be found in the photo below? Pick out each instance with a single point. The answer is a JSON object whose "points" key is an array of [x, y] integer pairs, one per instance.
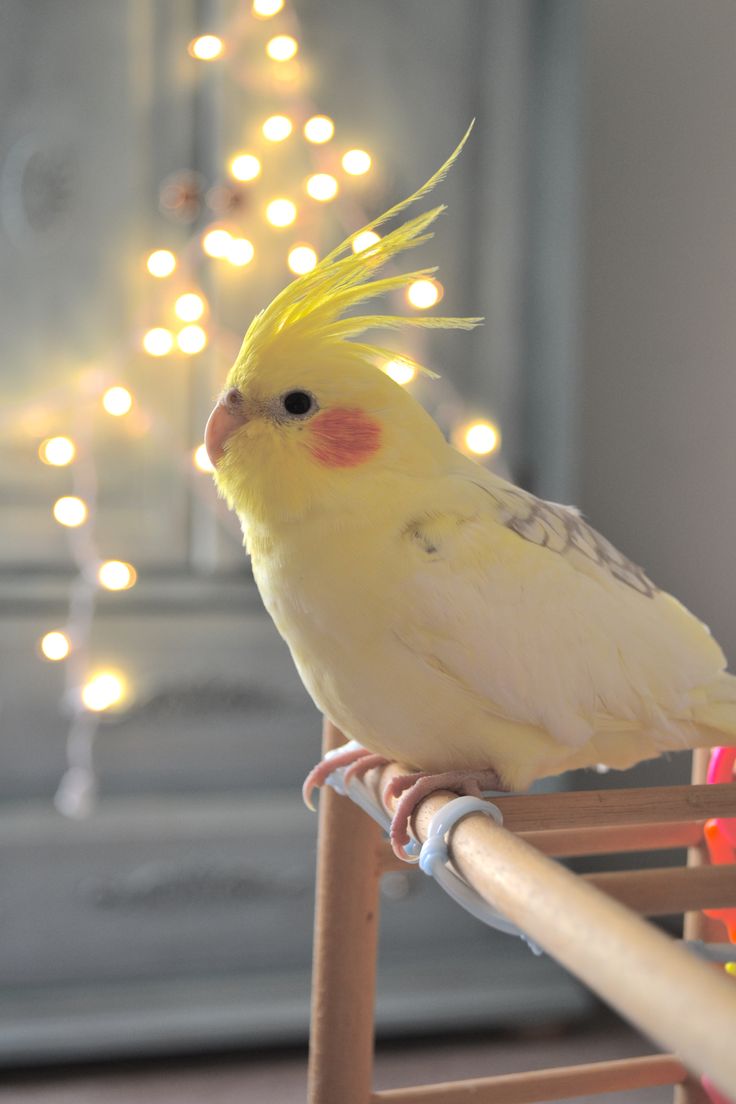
{"points": [[220, 424]]}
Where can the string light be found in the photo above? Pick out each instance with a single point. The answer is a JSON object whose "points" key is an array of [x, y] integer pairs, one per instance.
{"points": [[322, 186], [277, 128], [319, 129], [282, 47], [158, 341], [265, 9], [424, 293], [245, 166], [192, 339], [481, 438], [70, 511], [189, 307], [161, 263], [103, 690], [116, 575], [57, 451], [281, 212], [399, 371], [55, 646], [206, 47], [216, 242], [118, 400], [364, 240], [356, 162], [301, 259], [201, 460], [240, 252]]}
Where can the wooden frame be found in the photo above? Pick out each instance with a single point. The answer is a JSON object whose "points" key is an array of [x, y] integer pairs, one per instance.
{"points": [[589, 923]]}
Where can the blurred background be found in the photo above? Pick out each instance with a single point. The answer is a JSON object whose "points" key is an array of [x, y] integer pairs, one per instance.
{"points": [[165, 167]]}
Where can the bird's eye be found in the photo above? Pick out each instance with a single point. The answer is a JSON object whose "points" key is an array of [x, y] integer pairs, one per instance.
{"points": [[297, 402], [232, 399]]}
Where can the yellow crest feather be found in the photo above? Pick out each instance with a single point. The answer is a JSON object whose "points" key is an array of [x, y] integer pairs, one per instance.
{"points": [[310, 309]]}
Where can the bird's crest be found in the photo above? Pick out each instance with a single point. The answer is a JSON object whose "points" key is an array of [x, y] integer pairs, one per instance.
{"points": [[310, 310]]}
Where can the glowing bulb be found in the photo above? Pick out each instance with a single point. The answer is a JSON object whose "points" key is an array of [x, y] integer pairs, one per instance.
{"points": [[217, 242], [481, 438], [158, 341], [116, 575], [276, 128], [192, 339], [399, 371], [201, 460], [322, 186], [118, 400], [161, 263], [55, 646], [319, 129], [103, 690], [206, 47], [240, 252], [281, 212], [264, 9], [245, 166], [356, 162], [364, 240], [424, 293], [189, 307], [301, 259], [57, 451], [282, 47], [70, 511]]}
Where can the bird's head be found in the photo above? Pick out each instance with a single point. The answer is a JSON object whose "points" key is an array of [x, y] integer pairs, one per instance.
{"points": [[307, 419]]}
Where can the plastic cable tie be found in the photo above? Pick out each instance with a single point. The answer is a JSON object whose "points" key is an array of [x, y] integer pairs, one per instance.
{"points": [[434, 857]]}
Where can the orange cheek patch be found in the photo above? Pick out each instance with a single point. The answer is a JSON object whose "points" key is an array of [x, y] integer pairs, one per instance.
{"points": [[344, 437]]}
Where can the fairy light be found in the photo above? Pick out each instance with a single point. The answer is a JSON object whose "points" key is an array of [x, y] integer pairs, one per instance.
{"points": [[103, 690], [189, 307], [57, 451], [240, 252], [70, 511], [245, 166], [216, 242], [319, 129], [116, 575], [118, 401], [277, 128], [55, 646], [424, 293], [282, 47], [158, 341], [364, 240], [399, 371], [301, 259], [481, 438], [206, 47], [192, 339], [266, 9], [161, 263], [322, 186], [356, 162], [201, 460], [281, 212]]}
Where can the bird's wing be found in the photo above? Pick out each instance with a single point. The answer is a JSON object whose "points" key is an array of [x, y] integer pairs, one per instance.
{"points": [[527, 606]]}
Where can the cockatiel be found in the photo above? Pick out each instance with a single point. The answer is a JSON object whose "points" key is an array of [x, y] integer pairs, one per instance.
{"points": [[437, 614]]}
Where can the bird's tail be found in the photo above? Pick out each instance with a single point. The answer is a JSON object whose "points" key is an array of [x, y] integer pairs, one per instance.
{"points": [[716, 711]]}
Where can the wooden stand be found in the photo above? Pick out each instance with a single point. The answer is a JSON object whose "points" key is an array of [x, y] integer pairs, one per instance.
{"points": [[590, 924]]}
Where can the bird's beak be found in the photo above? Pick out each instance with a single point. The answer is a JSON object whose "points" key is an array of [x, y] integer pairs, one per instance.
{"points": [[220, 424]]}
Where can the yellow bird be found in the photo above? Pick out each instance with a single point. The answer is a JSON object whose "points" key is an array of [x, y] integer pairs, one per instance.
{"points": [[439, 615]]}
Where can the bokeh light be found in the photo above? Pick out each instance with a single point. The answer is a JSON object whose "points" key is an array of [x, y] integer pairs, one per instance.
{"points": [[206, 47], [356, 162], [481, 438], [118, 400], [245, 166], [161, 263], [301, 259], [103, 690], [192, 339], [399, 371], [277, 128], [424, 293], [116, 575], [282, 47], [55, 646], [216, 242], [189, 307], [265, 9], [201, 460], [240, 252], [158, 341], [70, 511], [57, 451], [364, 240], [281, 212], [322, 186], [319, 129]]}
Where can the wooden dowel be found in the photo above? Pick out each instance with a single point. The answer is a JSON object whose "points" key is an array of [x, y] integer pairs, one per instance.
{"points": [[678, 1001], [666, 891], [541, 1085], [564, 842]]}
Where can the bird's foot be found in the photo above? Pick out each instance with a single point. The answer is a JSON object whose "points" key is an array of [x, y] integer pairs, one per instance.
{"points": [[358, 760], [410, 789]]}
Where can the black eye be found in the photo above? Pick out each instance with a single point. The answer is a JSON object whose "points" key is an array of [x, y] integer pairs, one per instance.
{"points": [[298, 402]]}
